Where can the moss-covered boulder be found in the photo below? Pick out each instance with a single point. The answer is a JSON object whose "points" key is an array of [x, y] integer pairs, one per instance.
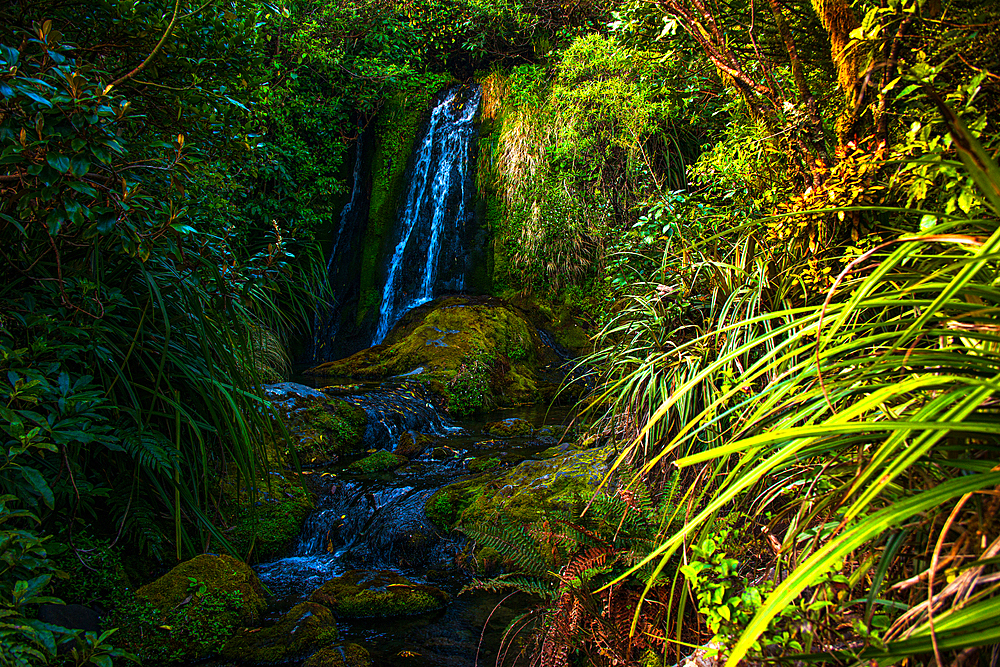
{"points": [[266, 527], [510, 427], [323, 429], [364, 594], [479, 350], [341, 655], [191, 611], [522, 494], [412, 444], [306, 627], [378, 462]]}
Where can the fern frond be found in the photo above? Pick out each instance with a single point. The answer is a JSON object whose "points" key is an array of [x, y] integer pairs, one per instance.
{"points": [[514, 544]]}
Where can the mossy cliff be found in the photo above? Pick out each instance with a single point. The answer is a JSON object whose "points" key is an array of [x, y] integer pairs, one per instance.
{"points": [[473, 348]]}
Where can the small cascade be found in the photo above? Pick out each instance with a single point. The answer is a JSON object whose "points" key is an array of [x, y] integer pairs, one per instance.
{"points": [[437, 208]]}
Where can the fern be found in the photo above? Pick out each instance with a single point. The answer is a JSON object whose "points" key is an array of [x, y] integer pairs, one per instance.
{"points": [[541, 586], [151, 449], [514, 544]]}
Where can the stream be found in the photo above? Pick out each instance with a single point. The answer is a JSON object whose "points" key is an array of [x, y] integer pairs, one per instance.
{"points": [[377, 522]]}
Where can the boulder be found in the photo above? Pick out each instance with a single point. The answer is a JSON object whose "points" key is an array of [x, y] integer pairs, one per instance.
{"points": [[341, 655], [510, 427], [364, 594], [300, 631], [378, 462]]}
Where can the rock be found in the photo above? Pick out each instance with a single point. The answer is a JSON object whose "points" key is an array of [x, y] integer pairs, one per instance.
{"points": [[363, 594], [412, 444], [299, 632], [511, 427], [274, 520], [189, 612], [522, 494], [341, 655], [219, 574], [378, 462], [461, 343]]}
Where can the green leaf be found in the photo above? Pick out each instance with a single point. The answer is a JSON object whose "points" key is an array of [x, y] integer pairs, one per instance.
{"points": [[58, 161], [38, 483]]}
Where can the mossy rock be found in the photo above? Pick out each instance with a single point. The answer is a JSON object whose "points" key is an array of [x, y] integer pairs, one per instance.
{"points": [[322, 428], [341, 655], [305, 627], [511, 427], [412, 444], [191, 611], [272, 523], [484, 463], [523, 494], [378, 462], [363, 594], [476, 341], [219, 573]]}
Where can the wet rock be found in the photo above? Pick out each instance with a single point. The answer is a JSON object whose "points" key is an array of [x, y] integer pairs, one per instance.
{"points": [[511, 427], [275, 519], [364, 594], [412, 444], [461, 342], [305, 627], [378, 462], [522, 494], [341, 655]]}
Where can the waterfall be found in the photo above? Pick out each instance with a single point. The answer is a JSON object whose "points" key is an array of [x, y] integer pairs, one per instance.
{"points": [[435, 211]]}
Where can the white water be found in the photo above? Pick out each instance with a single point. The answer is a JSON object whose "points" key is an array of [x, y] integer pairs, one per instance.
{"points": [[440, 171]]}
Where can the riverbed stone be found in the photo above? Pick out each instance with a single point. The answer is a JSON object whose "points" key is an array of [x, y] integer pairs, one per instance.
{"points": [[340, 655], [219, 574], [300, 631], [510, 427], [381, 594], [412, 444]]}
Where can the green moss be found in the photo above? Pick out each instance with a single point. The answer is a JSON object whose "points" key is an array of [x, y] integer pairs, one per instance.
{"points": [[191, 611], [449, 338], [305, 627], [484, 463], [510, 427], [378, 462], [267, 528], [341, 655], [360, 594], [523, 494], [324, 429], [412, 444]]}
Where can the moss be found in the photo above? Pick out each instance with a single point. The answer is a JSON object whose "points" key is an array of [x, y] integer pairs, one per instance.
{"points": [[378, 462], [189, 612], [361, 594], [510, 427], [450, 335], [484, 463], [324, 429], [305, 627], [267, 528], [341, 655], [95, 574], [412, 444], [523, 494]]}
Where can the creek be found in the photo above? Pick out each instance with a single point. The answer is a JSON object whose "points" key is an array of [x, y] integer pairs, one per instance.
{"points": [[378, 522]]}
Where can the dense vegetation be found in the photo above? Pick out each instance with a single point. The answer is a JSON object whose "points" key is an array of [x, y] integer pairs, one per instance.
{"points": [[779, 220]]}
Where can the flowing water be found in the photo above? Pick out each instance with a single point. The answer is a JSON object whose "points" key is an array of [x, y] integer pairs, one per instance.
{"points": [[436, 210], [377, 522]]}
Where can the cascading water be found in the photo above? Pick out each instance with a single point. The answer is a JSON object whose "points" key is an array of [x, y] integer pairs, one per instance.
{"points": [[436, 209]]}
